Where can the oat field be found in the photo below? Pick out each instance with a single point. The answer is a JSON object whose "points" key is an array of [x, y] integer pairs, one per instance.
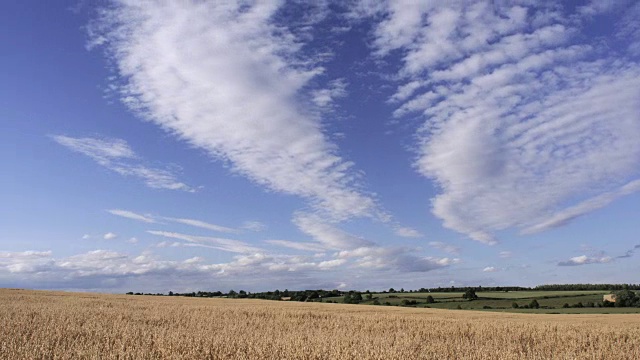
{"points": [[57, 325]]}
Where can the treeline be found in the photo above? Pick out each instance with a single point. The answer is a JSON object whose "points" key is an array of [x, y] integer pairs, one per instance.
{"points": [[578, 287], [356, 296], [476, 288]]}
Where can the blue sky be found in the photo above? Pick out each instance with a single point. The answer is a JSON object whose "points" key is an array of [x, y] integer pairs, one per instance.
{"points": [[197, 146]]}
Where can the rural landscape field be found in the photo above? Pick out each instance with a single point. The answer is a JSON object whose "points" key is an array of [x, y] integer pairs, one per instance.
{"points": [[58, 325], [291, 179]]}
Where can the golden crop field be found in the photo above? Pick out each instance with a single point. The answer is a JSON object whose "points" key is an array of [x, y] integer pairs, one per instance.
{"points": [[57, 325]]}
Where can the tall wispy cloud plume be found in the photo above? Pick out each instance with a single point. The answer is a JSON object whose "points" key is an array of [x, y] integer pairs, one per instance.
{"points": [[228, 78]]}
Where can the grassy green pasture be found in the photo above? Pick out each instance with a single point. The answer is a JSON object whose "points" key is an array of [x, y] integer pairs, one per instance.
{"points": [[549, 301]]}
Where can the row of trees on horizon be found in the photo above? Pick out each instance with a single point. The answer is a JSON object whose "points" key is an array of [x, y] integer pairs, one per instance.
{"points": [[296, 295]]}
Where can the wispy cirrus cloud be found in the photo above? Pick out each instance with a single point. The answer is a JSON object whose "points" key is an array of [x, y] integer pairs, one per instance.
{"points": [[445, 247], [156, 219], [116, 155], [527, 125], [223, 244], [132, 215], [253, 225], [229, 78], [629, 253], [297, 245], [329, 236], [204, 225], [570, 213], [365, 253]]}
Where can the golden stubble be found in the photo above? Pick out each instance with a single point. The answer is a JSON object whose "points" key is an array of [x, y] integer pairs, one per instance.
{"points": [[57, 325]]}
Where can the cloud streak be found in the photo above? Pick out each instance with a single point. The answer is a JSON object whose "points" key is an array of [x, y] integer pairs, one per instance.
{"points": [[223, 244], [204, 225], [117, 156], [131, 215], [191, 222]]}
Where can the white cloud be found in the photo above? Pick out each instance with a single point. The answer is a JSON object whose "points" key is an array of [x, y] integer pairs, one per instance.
{"points": [[399, 259], [86, 237], [587, 206], [407, 232], [324, 98], [133, 240], [304, 246], [628, 29], [226, 78], [25, 261], [524, 120], [329, 236], [489, 269], [445, 247], [103, 151], [585, 260], [204, 225], [328, 264], [117, 156], [109, 236], [131, 215], [213, 242], [256, 226], [102, 270], [505, 254]]}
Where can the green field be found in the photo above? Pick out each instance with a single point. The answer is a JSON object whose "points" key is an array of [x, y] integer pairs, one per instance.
{"points": [[549, 301]]}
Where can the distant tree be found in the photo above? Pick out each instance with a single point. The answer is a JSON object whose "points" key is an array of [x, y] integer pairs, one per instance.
{"points": [[130, 293], [515, 305], [369, 296], [534, 304], [347, 299], [430, 299], [356, 298], [170, 293], [470, 294], [376, 302], [626, 298], [565, 306], [392, 290]]}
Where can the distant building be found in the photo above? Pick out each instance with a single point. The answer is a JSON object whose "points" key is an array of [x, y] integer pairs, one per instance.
{"points": [[287, 298], [609, 298]]}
